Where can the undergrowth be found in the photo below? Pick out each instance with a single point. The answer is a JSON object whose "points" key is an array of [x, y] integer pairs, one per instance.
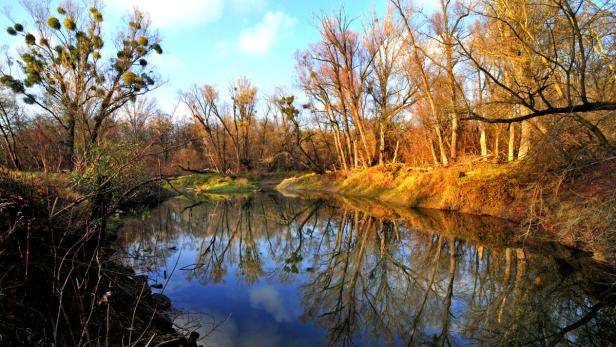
{"points": [[58, 283]]}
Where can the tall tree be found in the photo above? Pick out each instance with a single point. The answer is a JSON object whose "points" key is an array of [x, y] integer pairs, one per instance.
{"points": [[335, 75], [447, 24], [560, 63], [65, 73], [389, 88], [419, 62]]}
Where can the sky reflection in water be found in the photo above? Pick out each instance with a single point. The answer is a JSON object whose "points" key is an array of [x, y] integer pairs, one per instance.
{"points": [[275, 271]]}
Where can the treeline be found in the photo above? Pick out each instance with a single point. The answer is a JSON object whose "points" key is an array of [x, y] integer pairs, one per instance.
{"points": [[486, 78], [494, 80]]}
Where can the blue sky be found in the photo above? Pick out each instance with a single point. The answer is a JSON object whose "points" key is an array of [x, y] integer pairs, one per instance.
{"points": [[217, 41], [252, 38]]}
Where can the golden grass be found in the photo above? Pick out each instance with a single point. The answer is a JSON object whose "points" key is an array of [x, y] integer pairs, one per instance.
{"points": [[479, 189]]}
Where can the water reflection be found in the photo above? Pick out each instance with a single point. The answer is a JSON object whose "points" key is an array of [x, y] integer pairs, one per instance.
{"points": [[279, 271]]}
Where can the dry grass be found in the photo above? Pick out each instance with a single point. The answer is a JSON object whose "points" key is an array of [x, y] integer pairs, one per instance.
{"points": [[480, 189], [58, 283]]}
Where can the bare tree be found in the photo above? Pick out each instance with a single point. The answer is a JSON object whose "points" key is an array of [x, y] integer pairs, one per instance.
{"points": [[10, 117], [65, 74]]}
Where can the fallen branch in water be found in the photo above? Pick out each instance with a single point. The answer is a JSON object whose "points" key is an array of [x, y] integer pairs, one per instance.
{"points": [[197, 171]]}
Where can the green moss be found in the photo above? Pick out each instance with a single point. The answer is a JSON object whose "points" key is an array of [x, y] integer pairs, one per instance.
{"points": [[228, 187], [211, 183]]}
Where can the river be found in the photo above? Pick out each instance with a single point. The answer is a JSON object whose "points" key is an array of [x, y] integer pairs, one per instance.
{"points": [[268, 270]]}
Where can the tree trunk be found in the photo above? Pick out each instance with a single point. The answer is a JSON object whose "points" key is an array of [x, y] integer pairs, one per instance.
{"points": [[393, 161], [483, 142], [436, 162], [355, 164], [511, 154], [448, 40], [70, 144], [9, 139], [382, 143], [11, 148], [497, 144], [441, 147], [13, 155], [524, 140], [594, 130], [454, 135]]}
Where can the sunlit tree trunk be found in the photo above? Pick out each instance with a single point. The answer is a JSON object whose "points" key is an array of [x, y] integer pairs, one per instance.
{"points": [[497, 143], [524, 140], [441, 146], [434, 158], [511, 152], [483, 142], [382, 143]]}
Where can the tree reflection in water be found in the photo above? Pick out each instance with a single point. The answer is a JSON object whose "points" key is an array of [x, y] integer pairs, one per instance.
{"points": [[374, 275]]}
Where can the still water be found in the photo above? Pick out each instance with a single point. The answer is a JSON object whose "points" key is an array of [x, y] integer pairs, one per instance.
{"points": [[267, 270]]}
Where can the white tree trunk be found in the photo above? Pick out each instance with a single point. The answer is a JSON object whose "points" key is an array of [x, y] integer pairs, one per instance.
{"points": [[524, 140], [511, 154], [483, 143]]}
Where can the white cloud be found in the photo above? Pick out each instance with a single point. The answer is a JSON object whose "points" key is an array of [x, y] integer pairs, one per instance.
{"points": [[259, 39], [268, 299], [174, 14]]}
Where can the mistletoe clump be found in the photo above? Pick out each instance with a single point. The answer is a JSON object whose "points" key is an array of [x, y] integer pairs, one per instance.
{"points": [[69, 23], [96, 14], [15, 85], [143, 41], [71, 46], [53, 22]]}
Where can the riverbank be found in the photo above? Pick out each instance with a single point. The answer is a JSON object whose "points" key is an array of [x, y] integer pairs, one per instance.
{"points": [[217, 186], [60, 282], [380, 263], [577, 207]]}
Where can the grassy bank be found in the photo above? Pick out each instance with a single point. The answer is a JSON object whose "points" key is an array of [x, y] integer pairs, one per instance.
{"points": [[484, 189], [577, 206], [210, 183]]}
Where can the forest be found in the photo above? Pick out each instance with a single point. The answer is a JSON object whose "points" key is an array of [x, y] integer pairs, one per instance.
{"points": [[500, 107]]}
